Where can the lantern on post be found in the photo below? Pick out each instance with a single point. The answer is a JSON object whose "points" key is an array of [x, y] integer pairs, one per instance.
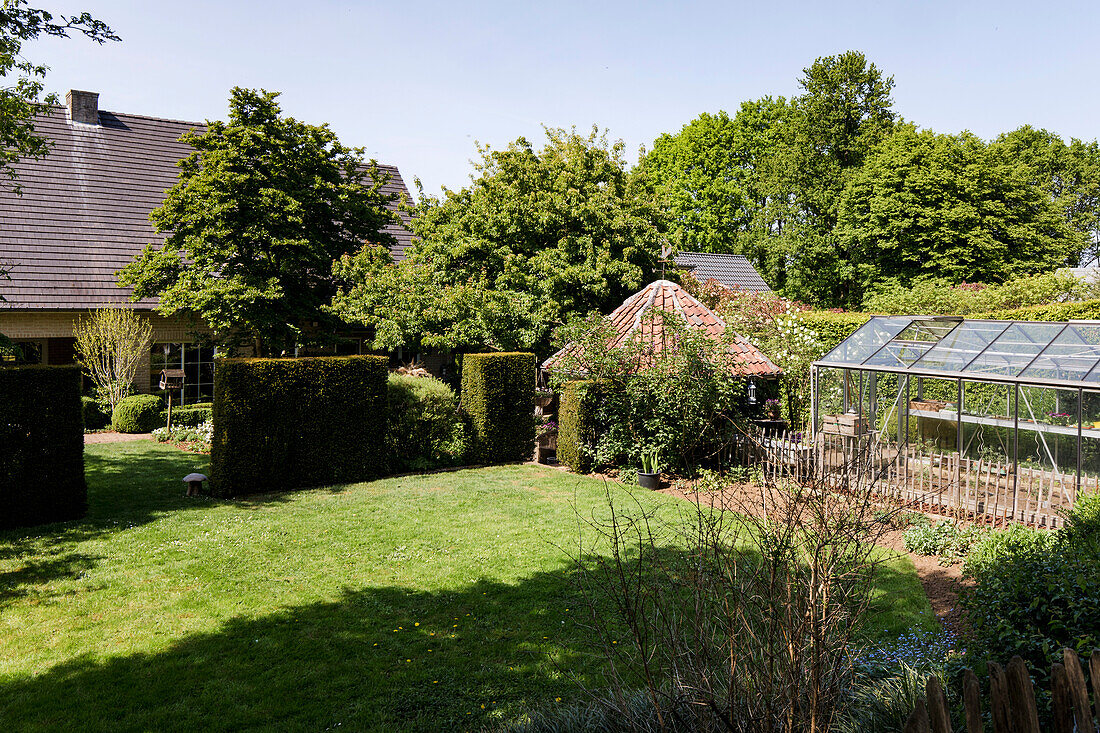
{"points": [[171, 379]]}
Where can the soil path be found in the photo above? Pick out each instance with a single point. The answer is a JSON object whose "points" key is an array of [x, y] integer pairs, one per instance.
{"points": [[110, 437]]}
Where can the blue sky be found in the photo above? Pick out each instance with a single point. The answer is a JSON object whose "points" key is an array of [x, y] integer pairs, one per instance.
{"points": [[417, 83]]}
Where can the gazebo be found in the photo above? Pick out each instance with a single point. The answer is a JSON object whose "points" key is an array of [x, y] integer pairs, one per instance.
{"points": [[995, 419], [632, 320]]}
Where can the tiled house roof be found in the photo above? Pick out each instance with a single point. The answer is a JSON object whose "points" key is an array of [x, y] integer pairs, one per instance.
{"points": [[632, 320], [84, 209], [732, 271]]}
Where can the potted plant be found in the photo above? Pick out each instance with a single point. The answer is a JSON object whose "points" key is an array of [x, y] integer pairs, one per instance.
{"points": [[649, 475]]}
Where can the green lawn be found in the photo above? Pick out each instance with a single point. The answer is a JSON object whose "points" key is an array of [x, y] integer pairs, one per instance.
{"points": [[413, 603]]}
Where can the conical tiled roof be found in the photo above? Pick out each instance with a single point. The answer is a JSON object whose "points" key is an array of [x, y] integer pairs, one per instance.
{"points": [[631, 319]]}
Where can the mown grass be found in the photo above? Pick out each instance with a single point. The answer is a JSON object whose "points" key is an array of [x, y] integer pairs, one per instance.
{"points": [[414, 603]]}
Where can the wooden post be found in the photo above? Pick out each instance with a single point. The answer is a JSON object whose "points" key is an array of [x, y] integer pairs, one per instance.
{"points": [[1094, 673], [1061, 704], [1025, 717], [918, 719], [937, 706], [972, 702], [998, 699]]}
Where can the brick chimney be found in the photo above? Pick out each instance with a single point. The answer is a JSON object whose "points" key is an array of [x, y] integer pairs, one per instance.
{"points": [[83, 107]]}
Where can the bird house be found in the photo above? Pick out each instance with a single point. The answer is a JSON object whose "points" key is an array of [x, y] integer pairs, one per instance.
{"points": [[171, 379]]}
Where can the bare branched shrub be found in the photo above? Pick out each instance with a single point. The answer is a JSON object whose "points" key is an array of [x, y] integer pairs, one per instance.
{"points": [[737, 613], [110, 344]]}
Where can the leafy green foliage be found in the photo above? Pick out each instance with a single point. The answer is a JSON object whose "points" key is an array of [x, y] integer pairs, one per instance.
{"points": [[139, 413], [577, 430], [289, 423], [498, 395], [1085, 310], [948, 540], [680, 400], [553, 233], [21, 94], [93, 415], [41, 446], [414, 305], [1035, 593], [189, 415], [832, 327], [263, 207], [426, 429], [940, 296], [927, 203]]}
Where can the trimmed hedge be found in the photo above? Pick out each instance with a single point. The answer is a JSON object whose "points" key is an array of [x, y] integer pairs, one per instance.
{"points": [[293, 423], [1085, 310], [576, 425], [189, 416], [833, 327], [138, 413], [41, 446], [426, 430], [498, 393]]}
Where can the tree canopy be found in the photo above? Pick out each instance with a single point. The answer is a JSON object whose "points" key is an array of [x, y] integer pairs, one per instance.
{"points": [[263, 208], [537, 238], [946, 204]]}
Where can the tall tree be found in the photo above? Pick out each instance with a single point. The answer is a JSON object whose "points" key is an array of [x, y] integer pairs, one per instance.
{"points": [[720, 182], [263, 207], [566, 229], [942, 206], [1069, 173]]}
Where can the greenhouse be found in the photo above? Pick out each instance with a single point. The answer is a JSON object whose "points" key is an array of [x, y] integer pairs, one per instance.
{"points": [[998, 420]]}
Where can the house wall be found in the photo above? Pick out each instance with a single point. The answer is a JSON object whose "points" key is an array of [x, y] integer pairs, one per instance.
{"points": [[55, 330]]}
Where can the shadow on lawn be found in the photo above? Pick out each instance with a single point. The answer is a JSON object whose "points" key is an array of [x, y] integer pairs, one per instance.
{"points": [[359, 663]]}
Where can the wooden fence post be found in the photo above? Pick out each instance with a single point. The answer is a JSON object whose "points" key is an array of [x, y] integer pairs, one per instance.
{"points": [[918, 719], [972, 702], [1025, 717], [998, 698], [1078, 692], [937, 706], [1061, 705]]}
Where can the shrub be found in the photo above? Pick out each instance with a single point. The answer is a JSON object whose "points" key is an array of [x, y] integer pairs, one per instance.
{"points": [[577, 429], [189, 416], [946, 539], [41, 446], [94, 417], [498, 395], [426, 429], [1035, 592], [832, 327], [939, 296], [292, 423], [138, 413]]}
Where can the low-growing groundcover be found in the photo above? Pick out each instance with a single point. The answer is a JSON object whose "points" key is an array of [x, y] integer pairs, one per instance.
{"points": [[413, 603]]}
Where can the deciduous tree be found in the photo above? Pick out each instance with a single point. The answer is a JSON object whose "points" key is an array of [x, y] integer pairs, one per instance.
{"points": [[262, 209], [110, 344]]}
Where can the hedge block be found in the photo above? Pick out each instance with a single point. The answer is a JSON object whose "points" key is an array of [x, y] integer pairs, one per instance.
{"points": [[41, 446], [188, 416], [292, 423], [139, 413], [574, 425], [498, 394]]}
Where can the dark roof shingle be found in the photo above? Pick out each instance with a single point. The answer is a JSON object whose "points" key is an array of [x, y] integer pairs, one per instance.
{"points": [[732, 271], [84, 209]]}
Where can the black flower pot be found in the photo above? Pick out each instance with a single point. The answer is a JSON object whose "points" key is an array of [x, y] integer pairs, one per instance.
{"points": [[649, 480]]}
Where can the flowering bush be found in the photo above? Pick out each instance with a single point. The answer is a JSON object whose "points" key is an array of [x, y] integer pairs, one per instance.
{"points": [[202, 435]]}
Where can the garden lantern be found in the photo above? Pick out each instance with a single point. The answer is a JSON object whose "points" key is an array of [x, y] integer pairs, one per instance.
{"points": [[752, 392]]}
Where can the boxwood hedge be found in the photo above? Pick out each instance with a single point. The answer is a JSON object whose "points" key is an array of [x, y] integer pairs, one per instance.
{"points": [[139, 413], [498, 393], [577, 425], [41, 446], [293, 423]]}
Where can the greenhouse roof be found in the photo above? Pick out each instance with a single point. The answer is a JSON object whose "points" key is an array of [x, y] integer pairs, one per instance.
{"points": [[1062, 354]]}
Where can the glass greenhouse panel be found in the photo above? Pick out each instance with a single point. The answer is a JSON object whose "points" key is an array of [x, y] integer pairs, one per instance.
{"points": [[1071, 356], [961, 345], [867, 339], [1090, 440]]}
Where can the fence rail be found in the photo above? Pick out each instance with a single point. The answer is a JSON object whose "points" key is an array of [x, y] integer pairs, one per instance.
{"points": [[992, 492]]}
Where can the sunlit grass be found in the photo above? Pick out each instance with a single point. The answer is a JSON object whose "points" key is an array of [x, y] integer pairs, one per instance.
{"points": [[407, 603]]}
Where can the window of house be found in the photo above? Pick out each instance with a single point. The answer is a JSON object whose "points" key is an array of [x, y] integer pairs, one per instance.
{"points": [[197, 363], [25, 352]]}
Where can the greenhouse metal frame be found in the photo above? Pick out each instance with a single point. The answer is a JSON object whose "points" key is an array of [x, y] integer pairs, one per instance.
{"points": [[1056, 363]]}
